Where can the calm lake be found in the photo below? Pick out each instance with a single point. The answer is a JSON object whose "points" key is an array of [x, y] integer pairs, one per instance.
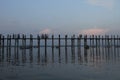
{"points": [[64, 63]]}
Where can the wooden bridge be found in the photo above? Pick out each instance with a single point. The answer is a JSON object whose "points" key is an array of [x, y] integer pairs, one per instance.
{"points": [[29, 42], [93, 40], [98, 45]]}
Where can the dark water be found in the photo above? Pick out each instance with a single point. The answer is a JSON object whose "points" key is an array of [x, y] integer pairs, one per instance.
{"points": [[60, 63]]}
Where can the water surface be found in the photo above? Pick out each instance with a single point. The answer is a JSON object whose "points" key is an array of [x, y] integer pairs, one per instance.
{"points": [[64, 63]]}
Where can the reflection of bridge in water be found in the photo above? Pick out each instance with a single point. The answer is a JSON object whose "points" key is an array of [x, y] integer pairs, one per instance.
{"points": [[17, 56], [95, 49]]}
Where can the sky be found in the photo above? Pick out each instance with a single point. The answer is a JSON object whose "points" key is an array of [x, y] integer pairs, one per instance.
{"points": [[60, 16]]}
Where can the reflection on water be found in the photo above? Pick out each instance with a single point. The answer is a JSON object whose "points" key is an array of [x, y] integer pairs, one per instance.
{"points": [[42, 55], [53, 62]]}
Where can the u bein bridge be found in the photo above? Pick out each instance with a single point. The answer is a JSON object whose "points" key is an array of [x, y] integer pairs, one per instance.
{"points": [[43, 48], [93, 40]]}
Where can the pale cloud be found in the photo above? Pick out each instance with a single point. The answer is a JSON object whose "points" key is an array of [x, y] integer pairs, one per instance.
{"points": [[95, 31], [46, 31], [104, 3]]}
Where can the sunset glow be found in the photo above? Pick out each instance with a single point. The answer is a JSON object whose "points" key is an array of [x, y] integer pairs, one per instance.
{"points": [[45, 31], [95, 31]]}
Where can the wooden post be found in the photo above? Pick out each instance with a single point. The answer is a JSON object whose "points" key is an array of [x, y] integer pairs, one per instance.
{"points": [[53, 48], [7, 40], [17, 41], [111, 46], [108, 46], [73, 41], [7, 47], [73, 48], [25, 46], [66, 49], [0, 45], [79, 44], [85, 46], [31, 45], [105, 44], [14, 43], [38, 39], [13, 36], [0, 40], [38, 43], [96, 46], [93, 44], [78, 41], [79, 47], [18, 37], [59, 41], [3, 47], [31, 40], [114, 46], [10, 46], [10, 39], [3, 38], [119, 42], [108, 41], [45, 44], [45, 38], [59, 49], [90, 41], [111, 41], [102, 47], [15, 46], [99, 39], [23, 49], [117, 45], [65, 41], [23, 41], [52, 41]]}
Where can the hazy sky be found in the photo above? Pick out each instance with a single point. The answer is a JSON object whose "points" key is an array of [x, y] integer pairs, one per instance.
{"points": [[60, 16]]}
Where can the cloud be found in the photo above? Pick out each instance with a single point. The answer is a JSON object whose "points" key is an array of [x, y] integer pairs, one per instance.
{"points": [[46, 31], [104, 3], [95, 31]]}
